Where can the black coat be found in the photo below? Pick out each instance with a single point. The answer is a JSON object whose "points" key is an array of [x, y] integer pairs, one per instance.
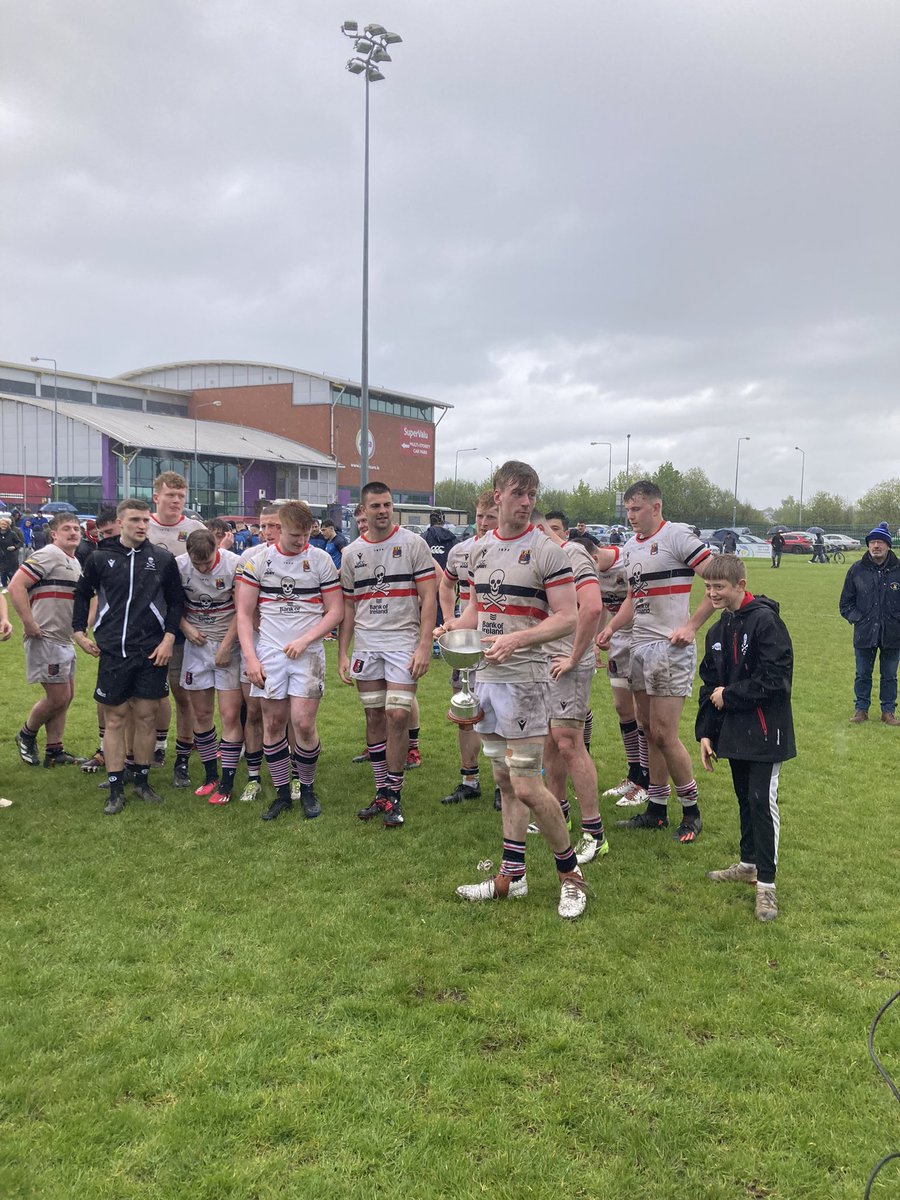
{"points": [[870, 601], [749, 653], [11, 542]]}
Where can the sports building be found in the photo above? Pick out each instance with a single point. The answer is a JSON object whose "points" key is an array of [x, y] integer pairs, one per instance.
{"points": [[240, 432]]}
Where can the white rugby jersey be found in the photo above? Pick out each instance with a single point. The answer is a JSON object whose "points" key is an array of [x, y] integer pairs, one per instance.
{"points": [[380, 579], [456, 568], [614, 585], [51, 576], [173, 537], [209, 599], [291, 589], [511, 578], [660, 571], [585, 571]]}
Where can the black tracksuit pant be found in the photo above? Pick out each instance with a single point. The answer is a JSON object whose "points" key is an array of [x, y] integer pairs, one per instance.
{"points": [[756, 788]]}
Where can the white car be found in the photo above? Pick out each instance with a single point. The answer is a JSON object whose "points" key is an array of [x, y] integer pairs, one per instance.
{"points": [[750, 546], [840, 541]]}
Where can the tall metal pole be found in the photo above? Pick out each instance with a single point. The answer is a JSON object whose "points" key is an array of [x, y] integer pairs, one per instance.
{"points": [[609, 480], [627, 455], [364, 372], [802, 473], [737, 467], [467, 450], [41, 358]]}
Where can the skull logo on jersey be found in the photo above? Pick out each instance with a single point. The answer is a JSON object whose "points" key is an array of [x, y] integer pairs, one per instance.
{"points": [[638, 586], [496, 598], [379, 587], [287, 588]]}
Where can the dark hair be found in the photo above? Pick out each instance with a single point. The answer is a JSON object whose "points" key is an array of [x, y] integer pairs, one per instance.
{"points": [[327, 523], [643, 487], [201, 544], [374, 488], [63, 518], [727, 568], [518, 473], [217, 525], [558, 515], [107, 516], [132, 503]]}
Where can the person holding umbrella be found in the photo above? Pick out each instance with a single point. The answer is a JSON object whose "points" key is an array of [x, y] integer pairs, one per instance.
{"points": [[818, 555], [777, 541]]}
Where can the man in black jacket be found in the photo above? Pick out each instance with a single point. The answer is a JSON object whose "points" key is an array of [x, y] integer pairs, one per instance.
{"points": [[439, 540], [870, 601], [140, 602], [745, 716]]}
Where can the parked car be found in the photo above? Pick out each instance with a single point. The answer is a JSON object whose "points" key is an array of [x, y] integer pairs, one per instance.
{"points": [[797, 543], [840, 541]]}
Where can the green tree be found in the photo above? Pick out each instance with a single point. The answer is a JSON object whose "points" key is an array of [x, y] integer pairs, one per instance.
{"points": [[787, 512], [827, 508], [880, 503]]}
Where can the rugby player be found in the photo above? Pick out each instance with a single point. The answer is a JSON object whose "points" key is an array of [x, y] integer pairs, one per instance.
{"points": [[389, 587], [211, 668], [169, 527], [660, 562], [42, 592], [297, 591], [522, 595]]}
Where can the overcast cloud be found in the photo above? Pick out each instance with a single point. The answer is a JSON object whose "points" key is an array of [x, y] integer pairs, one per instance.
{"points": [[677, 221]]}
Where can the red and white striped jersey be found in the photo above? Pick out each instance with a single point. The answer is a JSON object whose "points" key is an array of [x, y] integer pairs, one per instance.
{"points": [[291, 590], [51, 576], [456, 568], [585, 571], [209, 599], [380, 579], [173, 537], [660, 571], [511, 578]]}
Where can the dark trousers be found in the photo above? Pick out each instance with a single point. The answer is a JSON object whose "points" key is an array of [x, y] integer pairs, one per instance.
{"points": [[776, 557], [756, 788]]}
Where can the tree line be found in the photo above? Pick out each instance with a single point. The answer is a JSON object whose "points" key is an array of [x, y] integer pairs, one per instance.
{"points": [[692, 496]]}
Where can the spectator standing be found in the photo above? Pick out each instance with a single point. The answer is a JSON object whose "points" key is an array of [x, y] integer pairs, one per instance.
{"points": [[729, 542], [11, 542], [334, 542], [777, 547], [870, 601], [439, 540], [818, 555]]}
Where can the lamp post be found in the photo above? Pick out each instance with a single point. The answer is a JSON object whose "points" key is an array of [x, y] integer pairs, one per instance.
{"points": [[627, 456], [197, 407], [737, 467], [802, 473], [468, 450], [490, 463], [40, 358], [371, 50], [609, 480]]}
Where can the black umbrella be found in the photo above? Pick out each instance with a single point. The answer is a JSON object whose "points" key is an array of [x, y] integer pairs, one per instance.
{"points": [[58, 506], [815, 529]]}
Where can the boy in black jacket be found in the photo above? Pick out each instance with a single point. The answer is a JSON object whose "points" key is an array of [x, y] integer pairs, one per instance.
{"points": [[745, 716]]}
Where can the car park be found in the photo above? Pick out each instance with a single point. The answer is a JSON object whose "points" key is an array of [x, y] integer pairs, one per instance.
{"points": [[840, 541], [797, 543]]}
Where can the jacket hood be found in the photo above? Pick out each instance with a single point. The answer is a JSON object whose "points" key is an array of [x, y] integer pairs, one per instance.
{"points": [[756, 604]]}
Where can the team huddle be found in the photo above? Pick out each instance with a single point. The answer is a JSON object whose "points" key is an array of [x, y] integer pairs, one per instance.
{"points": [[172, 612]]}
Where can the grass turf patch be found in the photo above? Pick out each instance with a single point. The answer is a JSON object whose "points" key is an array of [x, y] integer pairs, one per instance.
{"points": [[194, 1002]]}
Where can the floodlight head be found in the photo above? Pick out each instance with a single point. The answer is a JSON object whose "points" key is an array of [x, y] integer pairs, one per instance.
{"points": [[349, 27], [380, 55], [392, 38], [374, 75], [375, 30], [355, 66], [34, 358], [363, 45]]}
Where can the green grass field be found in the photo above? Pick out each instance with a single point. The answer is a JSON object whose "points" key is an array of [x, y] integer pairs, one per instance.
{"points": [[198, 1004]]}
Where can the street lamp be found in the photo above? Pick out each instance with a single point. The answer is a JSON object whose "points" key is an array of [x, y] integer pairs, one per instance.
{"points": [[197, 407], [802, 473], [609, 481], [490, 463], [737, 467], [468, 450], [39, 358], [371, 49], [627, 456]]}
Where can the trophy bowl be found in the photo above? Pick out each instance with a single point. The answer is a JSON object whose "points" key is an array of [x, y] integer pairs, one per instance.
{"points": [[461, 648]]}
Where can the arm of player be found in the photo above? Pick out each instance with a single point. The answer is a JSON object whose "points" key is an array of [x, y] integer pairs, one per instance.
{"points": [[623, 617], [333, 601], [421, 659], [685, 634], [21, 602], [590, 610], [447, 594], [5, 625], [194, 635], [467, 619], [561, 622], [246, 599], [226, 646], [345, 639]]}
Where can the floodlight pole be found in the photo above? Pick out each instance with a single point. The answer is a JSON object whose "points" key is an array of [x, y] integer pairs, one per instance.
{"points": [[609, 480], [197, 407], [737, 467], [468, 450], [371, 49], [802, 473], [40, 358]]}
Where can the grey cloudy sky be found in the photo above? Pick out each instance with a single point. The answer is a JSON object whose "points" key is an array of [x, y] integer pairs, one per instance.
{"points": [[674, 220]]}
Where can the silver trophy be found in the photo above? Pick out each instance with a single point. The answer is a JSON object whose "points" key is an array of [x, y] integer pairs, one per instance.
{"points": [[463, 650]]}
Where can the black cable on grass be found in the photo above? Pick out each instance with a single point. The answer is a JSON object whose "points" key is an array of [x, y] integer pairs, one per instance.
{"points": [[883, 1073]]}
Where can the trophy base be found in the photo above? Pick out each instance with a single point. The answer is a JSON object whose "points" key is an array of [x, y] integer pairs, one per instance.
{"points": [[465, 721]]}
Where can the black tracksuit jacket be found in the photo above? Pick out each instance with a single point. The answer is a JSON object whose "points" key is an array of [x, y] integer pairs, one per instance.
{"points": [[749, 654], [139, 597]]}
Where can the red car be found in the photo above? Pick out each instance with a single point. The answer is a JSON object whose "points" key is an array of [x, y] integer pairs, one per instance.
{"points": [[796, 543]]}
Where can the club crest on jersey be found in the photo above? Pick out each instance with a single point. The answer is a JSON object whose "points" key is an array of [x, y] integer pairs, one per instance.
{"points": [[396, 551], [358, 665], [654, 547], [524, 556], [287, 587], [182, 537], [52, 669], [306, 564], [150, 564], [219, 583]]}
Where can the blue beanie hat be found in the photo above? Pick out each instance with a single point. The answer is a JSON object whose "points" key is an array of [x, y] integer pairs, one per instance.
{"points": [[881, 533]]}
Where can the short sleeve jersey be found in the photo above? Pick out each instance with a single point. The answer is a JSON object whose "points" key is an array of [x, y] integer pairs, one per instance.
{"points": [[614, 585], [660, 571], [512, 578], [456, 568], [209, 599], [173, 537], [291, 587], [51, 576], [380, 579], [585, 571]]}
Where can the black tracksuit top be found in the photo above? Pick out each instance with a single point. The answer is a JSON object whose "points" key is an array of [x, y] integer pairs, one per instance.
{"points": [[139, 597], [749, 653]]}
